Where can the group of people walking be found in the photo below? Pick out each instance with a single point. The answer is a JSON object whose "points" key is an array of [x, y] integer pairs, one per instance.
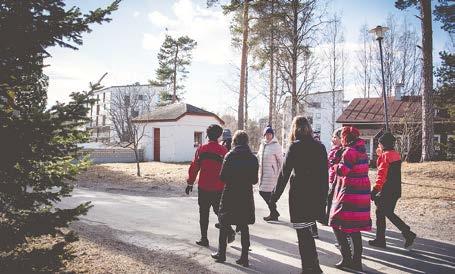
{"points": [[332, 189]]}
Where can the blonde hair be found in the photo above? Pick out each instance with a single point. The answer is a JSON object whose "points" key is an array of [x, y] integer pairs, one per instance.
{"points": [[300, 129]]}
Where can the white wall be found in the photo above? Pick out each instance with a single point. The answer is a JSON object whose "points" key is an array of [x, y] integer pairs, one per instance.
{"points": [[177, 138]]}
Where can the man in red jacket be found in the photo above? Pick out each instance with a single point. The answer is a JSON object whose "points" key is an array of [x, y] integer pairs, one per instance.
{"points": [[387, 191], [207, 162]]}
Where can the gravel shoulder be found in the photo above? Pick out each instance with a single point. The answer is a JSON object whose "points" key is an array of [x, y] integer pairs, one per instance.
{"points": [[97, 251]]}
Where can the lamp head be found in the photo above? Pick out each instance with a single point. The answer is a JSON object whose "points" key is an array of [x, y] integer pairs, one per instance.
{"points": [[379, 32]]}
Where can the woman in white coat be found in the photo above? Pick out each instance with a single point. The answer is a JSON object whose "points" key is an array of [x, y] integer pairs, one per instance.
{"points": [[270, 156]]}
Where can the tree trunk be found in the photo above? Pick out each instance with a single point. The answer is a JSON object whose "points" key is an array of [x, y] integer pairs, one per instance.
{"points": [[138, 167], [294, 98], [271, 88], [427, 92], [271, 63], [240, 117], [174, 94], [246, 95]]}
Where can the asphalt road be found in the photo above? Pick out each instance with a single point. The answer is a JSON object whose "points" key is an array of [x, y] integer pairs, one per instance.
{"points": [[172, 224]]}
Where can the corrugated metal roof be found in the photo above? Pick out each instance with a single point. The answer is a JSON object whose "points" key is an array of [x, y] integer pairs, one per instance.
{"points": [[371, 110]]}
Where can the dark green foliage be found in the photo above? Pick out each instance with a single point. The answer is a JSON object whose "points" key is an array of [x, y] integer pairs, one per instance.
{"points": [[39, 154], [445, 13], [445, 92], [174, 57], [404, 4]]}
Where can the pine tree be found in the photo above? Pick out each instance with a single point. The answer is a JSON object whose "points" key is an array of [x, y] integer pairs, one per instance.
{"points": [[424, 6], [174, 57], [445, 92], [39, 145]]}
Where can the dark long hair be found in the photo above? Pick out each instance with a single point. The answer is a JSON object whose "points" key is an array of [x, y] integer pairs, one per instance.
{"points": [[300, 129]]}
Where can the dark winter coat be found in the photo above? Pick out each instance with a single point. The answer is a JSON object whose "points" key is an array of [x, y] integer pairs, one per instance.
{"points": [[239, 173], [306, 166]]}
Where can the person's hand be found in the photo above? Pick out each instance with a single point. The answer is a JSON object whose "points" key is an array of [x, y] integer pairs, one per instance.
{"points": [[188, 189], [339, 153], [375, 194]]}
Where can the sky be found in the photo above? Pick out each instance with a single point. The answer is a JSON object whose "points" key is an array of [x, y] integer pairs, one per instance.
{"points": [[126, 48]]}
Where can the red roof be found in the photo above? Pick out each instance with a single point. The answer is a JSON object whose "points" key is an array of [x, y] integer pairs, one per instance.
{"points": [[371, 110]]}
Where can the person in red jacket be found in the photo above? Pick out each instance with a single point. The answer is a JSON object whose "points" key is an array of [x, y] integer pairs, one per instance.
{"points": [[207, 162], [387, 191]]}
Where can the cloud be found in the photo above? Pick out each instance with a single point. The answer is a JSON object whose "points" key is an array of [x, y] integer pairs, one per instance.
{"points": [[136, 14], [210, 29]]}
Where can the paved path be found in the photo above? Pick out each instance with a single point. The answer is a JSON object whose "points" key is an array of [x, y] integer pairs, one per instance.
{"points": [[171, 224]]}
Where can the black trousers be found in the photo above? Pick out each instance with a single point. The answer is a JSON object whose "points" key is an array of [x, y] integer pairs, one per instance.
{"points": [[307, 249], [345, 247], [207, 200], [385, 208], [272, 206], [244, 238]]}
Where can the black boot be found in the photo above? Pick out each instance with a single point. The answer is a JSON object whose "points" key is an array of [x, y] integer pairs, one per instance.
{"points": [[203, 242], [409, 237], [378, 243], [345, 249], [243, 261], [219, 257], [358, 249], [245, 240]]}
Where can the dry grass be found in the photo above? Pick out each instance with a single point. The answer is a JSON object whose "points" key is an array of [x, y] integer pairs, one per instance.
{"points": [[154, 177], [100, 254], [428, 199]]}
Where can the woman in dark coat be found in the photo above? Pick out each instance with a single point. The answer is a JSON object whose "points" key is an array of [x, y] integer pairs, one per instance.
{"points": [[239, 173], [306, 166]]}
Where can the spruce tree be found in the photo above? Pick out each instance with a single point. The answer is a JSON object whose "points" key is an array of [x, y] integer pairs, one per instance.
{"points": [[39, 153], [174, 57]]}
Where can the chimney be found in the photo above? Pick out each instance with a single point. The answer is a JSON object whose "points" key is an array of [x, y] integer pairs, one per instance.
{"points": [[398, 91]]}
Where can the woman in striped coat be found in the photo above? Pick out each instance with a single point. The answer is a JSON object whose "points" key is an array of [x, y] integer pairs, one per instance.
{"points": [[270, 156], [350, 212]]}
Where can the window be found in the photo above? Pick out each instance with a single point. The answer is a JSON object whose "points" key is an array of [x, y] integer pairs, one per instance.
{"points": [[140, 97], [104, 97], [317, 127], [97, 109], [197, 138], [318, 116], [134, 113], [437, 142], [315, 105], [97, 98]]}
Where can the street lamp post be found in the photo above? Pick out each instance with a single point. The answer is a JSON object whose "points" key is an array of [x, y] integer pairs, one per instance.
{"points": [[379, 33]]}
